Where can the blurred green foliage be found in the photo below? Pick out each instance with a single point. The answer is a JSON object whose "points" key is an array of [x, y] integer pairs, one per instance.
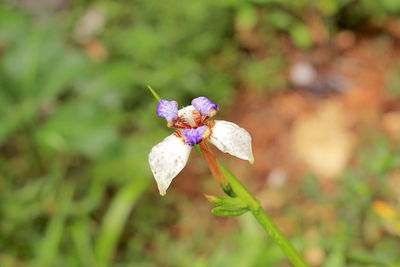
{"points": [[77, 123], [76, 132]]}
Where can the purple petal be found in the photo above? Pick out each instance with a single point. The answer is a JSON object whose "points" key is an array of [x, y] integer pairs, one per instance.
{"points": [[194, 136], [168, 110], [205, 106]]}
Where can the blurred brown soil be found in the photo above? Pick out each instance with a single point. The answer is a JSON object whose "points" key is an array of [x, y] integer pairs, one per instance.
{"points": [[273, 120]]}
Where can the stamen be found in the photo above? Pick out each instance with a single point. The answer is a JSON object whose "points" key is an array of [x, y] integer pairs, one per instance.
{"points": [[210, 125], [191, 121], [179, 134], [203, 119], [180, 125], [188, 115]]}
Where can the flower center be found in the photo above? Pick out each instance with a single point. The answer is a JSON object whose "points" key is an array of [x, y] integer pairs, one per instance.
{"points": [[196, 136], [191, 121]]}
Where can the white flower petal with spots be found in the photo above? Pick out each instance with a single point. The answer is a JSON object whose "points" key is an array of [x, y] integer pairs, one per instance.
{"points": [[167, 159], [230, 138]]}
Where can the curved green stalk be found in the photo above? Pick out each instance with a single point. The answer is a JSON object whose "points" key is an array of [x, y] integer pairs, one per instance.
{"points": [[265, 221], [262, 217]]}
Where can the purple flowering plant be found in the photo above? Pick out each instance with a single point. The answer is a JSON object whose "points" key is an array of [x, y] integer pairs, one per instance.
{"points": [[195, 128]]}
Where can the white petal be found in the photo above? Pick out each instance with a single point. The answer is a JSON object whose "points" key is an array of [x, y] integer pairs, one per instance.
{"points": [[188, 113], [230, 138], [167, 159]]}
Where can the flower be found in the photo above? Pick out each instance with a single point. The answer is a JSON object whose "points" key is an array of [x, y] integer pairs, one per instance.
{"points": [[193, 126]]}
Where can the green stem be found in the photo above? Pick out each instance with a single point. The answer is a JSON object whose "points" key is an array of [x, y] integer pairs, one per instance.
{"points": [[261, 216], [265, 221]]}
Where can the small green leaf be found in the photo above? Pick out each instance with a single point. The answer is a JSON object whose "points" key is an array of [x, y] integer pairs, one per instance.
{"points": [[228, 206], [224, 211], [227, 201]]}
